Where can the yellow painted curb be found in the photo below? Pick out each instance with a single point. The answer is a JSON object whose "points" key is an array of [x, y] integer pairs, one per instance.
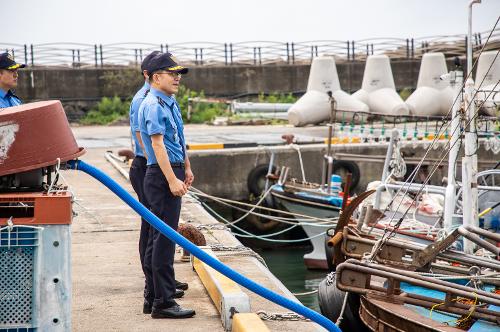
{"points": [[215, 283], [248, 322], [225, 293], [205, 146]]}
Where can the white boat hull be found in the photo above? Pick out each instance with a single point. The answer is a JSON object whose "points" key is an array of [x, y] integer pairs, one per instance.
{"points": [[315, 259]]}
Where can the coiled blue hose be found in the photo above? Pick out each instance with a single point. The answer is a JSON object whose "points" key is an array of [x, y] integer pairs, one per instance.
{"points": [[197, 252]]}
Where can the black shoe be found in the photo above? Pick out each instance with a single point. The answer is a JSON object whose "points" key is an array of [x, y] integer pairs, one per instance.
{"points": [[178, 293], [181, 285], [147, 307], [175, 311]]}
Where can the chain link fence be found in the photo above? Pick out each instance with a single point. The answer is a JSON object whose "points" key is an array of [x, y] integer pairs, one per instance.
{"points": [[78, 55]]}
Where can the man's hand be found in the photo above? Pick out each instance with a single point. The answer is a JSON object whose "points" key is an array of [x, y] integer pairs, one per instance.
{"points": [[189, 177], [177, 187]]}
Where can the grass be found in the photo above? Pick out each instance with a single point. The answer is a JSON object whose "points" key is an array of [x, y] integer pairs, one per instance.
{"points": [[277, 98], [107, 111], [202, 111]]}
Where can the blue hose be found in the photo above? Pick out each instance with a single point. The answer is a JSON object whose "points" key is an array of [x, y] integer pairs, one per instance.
{"points": [[197, 252]]}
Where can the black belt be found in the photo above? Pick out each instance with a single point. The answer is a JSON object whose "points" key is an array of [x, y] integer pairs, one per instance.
{"points": [[173, 165]]}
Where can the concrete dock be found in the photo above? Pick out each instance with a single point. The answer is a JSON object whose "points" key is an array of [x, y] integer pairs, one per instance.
{"points": [[107, 277]]}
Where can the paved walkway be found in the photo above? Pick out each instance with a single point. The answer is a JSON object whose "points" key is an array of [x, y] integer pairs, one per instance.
{"points": [[107, 278]]}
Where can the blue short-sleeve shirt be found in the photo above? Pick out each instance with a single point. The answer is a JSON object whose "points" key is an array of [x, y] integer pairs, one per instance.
{"points": [[8, 99], [134, 116], [160, 114]]}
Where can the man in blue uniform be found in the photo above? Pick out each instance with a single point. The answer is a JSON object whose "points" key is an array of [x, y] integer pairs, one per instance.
{"points": [[8, 80], [137, 173], [168, 176]]}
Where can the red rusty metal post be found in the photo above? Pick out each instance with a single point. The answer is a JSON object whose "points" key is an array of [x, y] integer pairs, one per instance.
{"points": [[346, 190]]}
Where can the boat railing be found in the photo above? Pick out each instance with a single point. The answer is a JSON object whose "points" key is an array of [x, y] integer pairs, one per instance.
{"points": [[416, 187], [414, 255]]}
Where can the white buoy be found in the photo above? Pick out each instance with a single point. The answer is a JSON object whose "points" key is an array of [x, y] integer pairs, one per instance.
{"points": [[433, 95], [487, 92], [314, 106], [378, 90]]}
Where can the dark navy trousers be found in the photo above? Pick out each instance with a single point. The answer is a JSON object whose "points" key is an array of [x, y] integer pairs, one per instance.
{"points": [[159, 257], [137, 174]]}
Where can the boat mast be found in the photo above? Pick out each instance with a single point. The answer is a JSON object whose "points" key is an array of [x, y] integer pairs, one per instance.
{"points": [[469, 161], [456, 81], [327, 158]]}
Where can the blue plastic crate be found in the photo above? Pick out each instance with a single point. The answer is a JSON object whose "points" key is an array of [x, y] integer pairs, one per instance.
{"points": [[18, 249]]}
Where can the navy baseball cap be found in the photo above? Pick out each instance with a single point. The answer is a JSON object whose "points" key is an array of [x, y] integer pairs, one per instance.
{"points": [[7, 62], [146, 61], [166, 61]]}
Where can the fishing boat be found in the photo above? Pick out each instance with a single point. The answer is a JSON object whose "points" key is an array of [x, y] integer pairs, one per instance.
{"points": [[451, 284], [325, 202], [437, 207]]}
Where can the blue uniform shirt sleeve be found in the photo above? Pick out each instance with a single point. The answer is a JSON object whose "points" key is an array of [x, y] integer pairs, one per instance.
{"points": [[134, 114], [155, 120]]}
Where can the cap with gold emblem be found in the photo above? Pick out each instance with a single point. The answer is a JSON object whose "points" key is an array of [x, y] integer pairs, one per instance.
{"points": [[7, 62], [166, 61]]}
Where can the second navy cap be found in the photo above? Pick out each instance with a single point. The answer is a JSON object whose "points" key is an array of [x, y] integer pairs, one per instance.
{"points": [[147, 60], [166, 61]]}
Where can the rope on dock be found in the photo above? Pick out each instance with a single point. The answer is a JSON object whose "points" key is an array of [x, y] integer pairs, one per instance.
{"points": [[212, 227], [281, 316], [238, 250], [306, 293]]}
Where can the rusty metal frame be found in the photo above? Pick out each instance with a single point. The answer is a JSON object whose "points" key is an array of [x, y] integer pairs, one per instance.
{"points": [[344, 219], [374, 321], [471, 233], [405, 255], [368, 278], [388, 317]]}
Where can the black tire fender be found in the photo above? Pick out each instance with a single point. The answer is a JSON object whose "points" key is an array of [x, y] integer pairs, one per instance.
{"points": [[255, 177], [331, 299], [348, 167]]}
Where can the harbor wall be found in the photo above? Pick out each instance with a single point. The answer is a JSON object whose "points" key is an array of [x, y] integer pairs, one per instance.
{"points": [[80, 89]]}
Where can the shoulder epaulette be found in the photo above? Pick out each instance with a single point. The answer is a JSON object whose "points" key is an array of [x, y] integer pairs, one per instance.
{"points": [[146, 93], [161, 102], [11, 93]]}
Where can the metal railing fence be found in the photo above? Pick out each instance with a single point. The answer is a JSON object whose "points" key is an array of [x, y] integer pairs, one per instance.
{"points": [[79, 55]]}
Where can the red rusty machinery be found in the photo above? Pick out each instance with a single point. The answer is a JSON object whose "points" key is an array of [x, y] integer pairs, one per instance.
{"points": [[35, 135], [36, 208]]}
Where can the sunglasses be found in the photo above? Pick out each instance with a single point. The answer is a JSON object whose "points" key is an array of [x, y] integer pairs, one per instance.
{"points": [[171, 74], [12, 71]]}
